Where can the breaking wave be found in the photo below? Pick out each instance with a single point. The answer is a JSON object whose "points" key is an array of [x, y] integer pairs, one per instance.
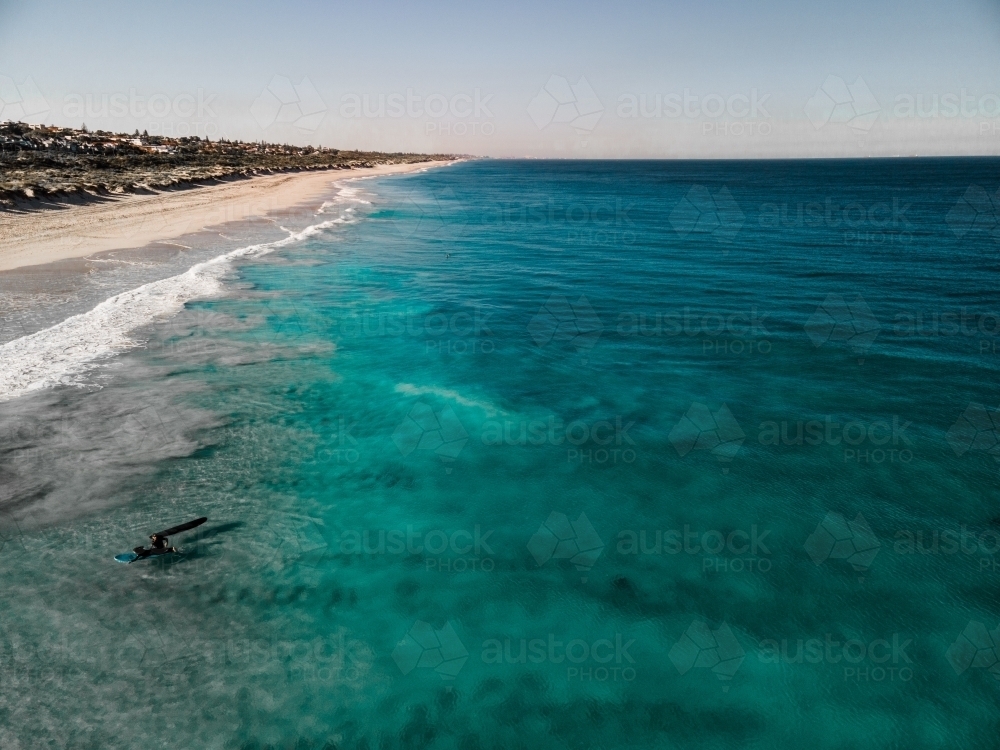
{"points": [[60, 355]]}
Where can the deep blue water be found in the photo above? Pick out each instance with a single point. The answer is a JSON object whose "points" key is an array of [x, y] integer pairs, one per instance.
{"points": [[540, 454]]}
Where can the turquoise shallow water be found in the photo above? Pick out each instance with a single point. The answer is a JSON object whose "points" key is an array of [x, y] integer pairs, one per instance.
{"points": [[538, 454]]}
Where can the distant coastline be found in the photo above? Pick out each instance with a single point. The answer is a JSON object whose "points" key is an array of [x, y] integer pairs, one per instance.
{"points": [[44, 167], [99, 223]]}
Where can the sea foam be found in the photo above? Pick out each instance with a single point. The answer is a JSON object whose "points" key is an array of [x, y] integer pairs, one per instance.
{"points": [[60, 355]]}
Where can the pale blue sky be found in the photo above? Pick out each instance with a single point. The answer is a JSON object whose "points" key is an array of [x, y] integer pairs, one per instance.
{"points": [[719, 51]]}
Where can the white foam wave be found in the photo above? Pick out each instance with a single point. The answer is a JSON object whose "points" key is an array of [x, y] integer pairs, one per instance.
{"points": [[345, 194], [61, 354], [420, 390]]}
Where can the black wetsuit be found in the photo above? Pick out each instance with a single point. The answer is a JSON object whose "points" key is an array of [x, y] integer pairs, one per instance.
{"points": [[157, 547]]}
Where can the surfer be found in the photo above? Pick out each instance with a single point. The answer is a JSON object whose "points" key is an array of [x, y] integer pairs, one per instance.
{"points": [[158, 546], [159, 543]]}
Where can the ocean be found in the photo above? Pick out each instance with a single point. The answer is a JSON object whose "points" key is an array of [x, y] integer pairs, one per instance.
{"points": [[569, 454]]}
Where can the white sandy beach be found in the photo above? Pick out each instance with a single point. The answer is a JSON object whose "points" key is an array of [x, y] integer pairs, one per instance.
{"points": [[48, 235], [60, 352]]}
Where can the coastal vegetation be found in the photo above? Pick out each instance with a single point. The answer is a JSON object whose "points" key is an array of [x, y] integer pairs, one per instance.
{"points": [[46, 164]]}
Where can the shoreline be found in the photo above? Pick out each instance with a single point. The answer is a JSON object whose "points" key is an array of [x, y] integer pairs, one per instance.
{"points": [[62, 352], [45, 236]]}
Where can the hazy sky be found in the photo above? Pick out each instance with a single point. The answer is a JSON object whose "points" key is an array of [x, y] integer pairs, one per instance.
{"points": [[624, 79]]}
